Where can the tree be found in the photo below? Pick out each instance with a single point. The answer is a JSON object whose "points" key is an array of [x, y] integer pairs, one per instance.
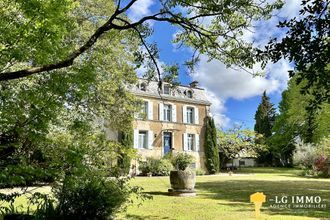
{"points": [[306, 44], [49, 40], [211, 148], [52, 125], [265, 117], [34, 108], [236, 141], [124, 160], [295, 123]]}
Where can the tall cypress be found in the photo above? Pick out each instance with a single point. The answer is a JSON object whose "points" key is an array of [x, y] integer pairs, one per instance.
{"points": [[265, 118], [211, 148], [124, 160]]}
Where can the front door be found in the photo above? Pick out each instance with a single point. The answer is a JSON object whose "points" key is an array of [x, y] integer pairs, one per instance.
{"points": [[167, 142]]}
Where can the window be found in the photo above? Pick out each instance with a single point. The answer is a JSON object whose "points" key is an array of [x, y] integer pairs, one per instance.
{"points": [[167, 113], [242, 163], [189, 94], [143, 87], [167, 89], [190, 142], [144, 111], [143, 143], [190, 115]]}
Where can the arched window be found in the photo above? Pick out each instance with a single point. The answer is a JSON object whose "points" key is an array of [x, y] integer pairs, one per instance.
{"points": [[189, 94], [143, 87]]}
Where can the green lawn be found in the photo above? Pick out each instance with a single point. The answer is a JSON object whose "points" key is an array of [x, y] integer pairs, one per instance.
{"points": [[227, 197]]}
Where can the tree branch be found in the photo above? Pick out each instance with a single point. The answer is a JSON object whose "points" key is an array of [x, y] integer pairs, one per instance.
{"points": [[187, 24], [66, 62]]}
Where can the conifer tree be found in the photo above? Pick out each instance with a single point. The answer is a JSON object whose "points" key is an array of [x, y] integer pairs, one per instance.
{"points": [[211, 147], [124, 159], [265, 118]]}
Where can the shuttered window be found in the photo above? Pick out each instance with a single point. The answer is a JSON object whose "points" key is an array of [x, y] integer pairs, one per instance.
{"points": [[142, 139], [190, 115], [191, 142], [167, 113]]}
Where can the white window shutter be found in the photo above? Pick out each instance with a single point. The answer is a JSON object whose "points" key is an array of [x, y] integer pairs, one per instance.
{"points": [[150, 139], [196, 142], [150, 110], [184, 114], [136, 138], [196, 114], [161, 112], [185, 141], [173, 113]]}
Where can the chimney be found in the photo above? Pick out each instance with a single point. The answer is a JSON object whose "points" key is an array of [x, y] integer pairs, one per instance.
{"points": [[193, 84]]}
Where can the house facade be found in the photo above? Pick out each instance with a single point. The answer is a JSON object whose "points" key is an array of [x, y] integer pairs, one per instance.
{"points": [[171, 120]]}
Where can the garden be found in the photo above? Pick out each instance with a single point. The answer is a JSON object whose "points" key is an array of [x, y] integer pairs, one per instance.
{"points": [[67, 112], [226, 197]]}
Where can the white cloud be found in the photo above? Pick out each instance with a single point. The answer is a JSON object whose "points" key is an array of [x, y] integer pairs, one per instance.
{"points": [[279, 72], [218, 109], [222, 83], [290, 9], [265, 30], [140, 9], [230, 83]]}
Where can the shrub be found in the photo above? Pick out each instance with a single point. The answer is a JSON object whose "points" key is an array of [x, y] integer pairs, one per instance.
{"points": [[182, 160], [313, 158], [45, 206], [91, 197], [157, 167], [145, 166], [323, 148], [168, 156], [163, 168], [321, 166], [200, 172], [304, 155]]}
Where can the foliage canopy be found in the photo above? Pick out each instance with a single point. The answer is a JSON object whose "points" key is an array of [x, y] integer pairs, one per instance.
{"points": [[53, 35]]}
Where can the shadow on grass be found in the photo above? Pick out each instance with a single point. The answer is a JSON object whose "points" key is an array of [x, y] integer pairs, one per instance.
{"points": [[269, 170], [157, 193], [137, 217], [239, 191]]}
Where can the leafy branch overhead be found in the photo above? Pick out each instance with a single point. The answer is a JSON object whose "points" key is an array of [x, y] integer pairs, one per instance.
{"points": [[306, 44], [40, 36]]}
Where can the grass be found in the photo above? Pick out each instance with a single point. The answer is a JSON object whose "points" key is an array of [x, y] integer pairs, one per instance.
{"points": [[227, 197], [21, 203]]}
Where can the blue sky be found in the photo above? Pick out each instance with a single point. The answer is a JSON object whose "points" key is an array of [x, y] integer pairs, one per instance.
{"points": [[235, 94]]}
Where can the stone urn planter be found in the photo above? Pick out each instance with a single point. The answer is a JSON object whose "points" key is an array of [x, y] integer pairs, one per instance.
{"points": [[182, 180]]}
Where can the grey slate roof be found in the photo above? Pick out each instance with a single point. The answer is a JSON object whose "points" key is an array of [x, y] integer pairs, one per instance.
{"points": [[178, 93]]}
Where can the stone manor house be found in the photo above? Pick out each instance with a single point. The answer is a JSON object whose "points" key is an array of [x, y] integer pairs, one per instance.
{"points": [[171, 119]]}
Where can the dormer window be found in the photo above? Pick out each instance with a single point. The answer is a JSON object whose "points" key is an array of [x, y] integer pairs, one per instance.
{"points": [[189, 94], [167, 89], [143, 87]]}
